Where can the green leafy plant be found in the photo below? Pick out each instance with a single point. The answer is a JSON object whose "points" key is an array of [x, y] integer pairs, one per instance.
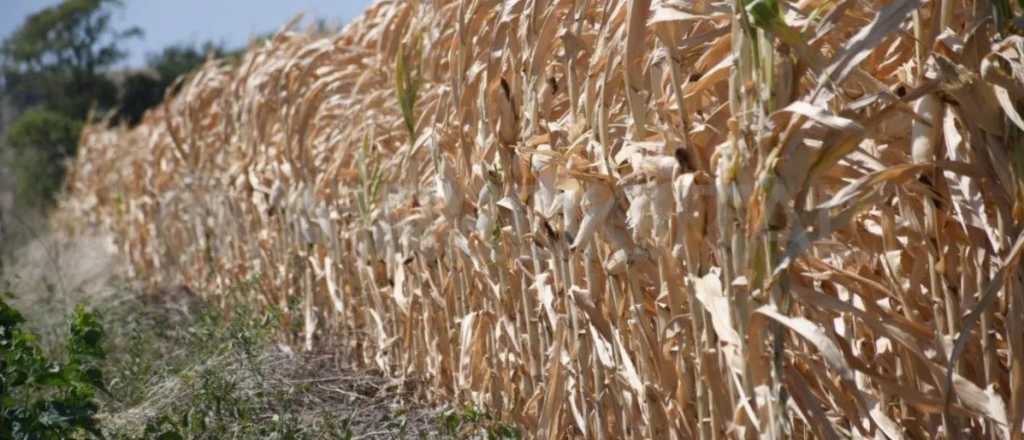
{"points": [[43, 398], [472, 422], [221, 377]]}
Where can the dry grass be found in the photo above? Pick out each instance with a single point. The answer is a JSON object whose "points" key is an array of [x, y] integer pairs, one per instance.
{"points": [[662, 219]]}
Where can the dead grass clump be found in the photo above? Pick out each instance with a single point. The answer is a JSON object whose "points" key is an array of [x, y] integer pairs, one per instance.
{"points": [[617, 219]]}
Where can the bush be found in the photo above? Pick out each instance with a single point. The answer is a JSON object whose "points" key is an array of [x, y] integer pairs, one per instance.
{"points": [[45, 130], [41, 140], [143, 90], [140, 91], [46, 399]]}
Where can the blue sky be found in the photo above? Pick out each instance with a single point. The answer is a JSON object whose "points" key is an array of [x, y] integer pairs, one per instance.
{"points": [[167, 22]]}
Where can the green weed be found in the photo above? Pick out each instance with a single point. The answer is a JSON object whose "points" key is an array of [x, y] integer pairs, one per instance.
{"points": [[41, 398], [473, 422]]}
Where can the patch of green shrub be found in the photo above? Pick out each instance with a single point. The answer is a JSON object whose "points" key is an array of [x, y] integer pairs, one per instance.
{"points": [[473, 422], [46, 399], [41, 141]]}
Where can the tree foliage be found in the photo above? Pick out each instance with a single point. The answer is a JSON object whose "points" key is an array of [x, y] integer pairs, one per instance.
{"points": [[143, 90], [57, 56], [178, 60], [56, 63], [75, 36]]}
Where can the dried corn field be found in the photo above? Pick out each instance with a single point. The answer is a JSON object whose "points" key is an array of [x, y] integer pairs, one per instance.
{"points": [[611, 219]]}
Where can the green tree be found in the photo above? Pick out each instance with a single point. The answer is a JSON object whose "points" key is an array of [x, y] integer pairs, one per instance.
{"points": [[58, 55], [140, 91], [146, 89], [178, 60], [56, 61]]}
